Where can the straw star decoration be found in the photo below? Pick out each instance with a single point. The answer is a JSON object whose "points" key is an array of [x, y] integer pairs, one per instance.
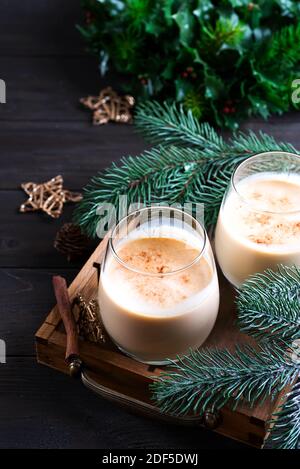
{"points": [[49, 197], [109, 106]]}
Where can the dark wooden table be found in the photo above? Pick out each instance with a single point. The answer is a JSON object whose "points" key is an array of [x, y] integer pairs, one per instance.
{"points": [[44, 132]]}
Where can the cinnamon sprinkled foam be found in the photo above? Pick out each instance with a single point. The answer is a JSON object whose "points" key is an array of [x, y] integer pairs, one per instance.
{"points": [[260, 220], [158, 256], [259, 226]]}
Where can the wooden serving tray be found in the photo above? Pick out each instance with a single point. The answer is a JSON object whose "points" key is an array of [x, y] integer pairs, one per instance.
{"points": [[124, 380]]}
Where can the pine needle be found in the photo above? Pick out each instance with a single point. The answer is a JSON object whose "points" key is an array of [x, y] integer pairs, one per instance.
{"points": [[172, 125], [285, 424], [269, 305], [212, 378]]}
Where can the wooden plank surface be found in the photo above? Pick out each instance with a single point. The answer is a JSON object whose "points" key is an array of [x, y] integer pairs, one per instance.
{"points": [[26, 298], [40, 408], [77, 150], [44, 132], [47, 88], [27, 239], [40, 28]]}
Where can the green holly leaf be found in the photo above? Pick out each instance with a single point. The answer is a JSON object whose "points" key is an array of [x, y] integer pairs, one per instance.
{"points": [[168, 71], [237, 49], [259, 106], [138, 12], [215, 111], [103, 62], [154, 27], [265, 80], [115, 7], [239, 3], [185, 21], [214, 86], [183, 87], [231, 33], [167, 11], [289, 7], [231, 122], [203, 9]]}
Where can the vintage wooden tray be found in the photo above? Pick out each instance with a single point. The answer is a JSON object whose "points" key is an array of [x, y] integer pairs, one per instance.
{"points": [[119, 378]]}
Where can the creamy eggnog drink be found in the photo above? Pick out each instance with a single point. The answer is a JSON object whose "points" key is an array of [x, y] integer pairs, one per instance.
{"points": [[259, 221], [159, 293]]}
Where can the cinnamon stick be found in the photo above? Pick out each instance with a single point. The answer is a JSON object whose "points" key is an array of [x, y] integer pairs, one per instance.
{"points": [[65, 310]]}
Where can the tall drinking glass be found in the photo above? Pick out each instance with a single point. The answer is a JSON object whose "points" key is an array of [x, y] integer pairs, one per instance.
{"points": [[259, 220]]}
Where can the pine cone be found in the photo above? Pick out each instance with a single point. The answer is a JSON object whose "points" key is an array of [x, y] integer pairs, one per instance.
{"points": [[70, 241]]}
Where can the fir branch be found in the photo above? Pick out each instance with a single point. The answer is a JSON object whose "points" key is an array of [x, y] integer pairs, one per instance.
{"points": [[269, 305], [250, 142], [160, 175], [142, 179], [285, 424], [212, 378], [209, 185], [169, 173], [171, 125]]}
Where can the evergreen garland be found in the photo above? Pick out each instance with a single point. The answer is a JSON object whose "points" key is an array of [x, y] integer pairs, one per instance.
{"points": [[213, 378], [223, 60], [191, 162]]}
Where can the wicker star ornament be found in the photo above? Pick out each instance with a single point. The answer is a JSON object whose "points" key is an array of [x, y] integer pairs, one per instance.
{"points": [[109, 106], [49, 197]]}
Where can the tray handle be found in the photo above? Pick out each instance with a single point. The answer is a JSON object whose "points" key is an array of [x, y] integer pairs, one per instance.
{"points": [[210, 419], [72, 356]]}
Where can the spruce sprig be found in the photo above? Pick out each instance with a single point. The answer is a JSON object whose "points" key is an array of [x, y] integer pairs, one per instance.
{"points": [[192, 163], [285, 424], [169, 124], [269, 305], [173, 125], [213, 378]]}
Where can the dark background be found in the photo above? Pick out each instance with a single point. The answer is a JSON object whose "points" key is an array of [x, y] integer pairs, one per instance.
{"points": [[44, 132]]}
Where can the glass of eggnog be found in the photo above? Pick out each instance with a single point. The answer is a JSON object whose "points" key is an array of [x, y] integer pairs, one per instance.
{"points": [[259, 220], [158, 290]]}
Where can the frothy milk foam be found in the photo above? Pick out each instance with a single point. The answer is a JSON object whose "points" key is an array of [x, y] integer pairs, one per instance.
{"points": [[259, 227], [149, 310]]}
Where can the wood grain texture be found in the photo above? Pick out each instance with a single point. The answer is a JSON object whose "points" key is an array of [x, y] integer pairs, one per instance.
{"points": [[27, 238], [40, 28], [26, 297], [47, 88], [41, 408], [37, 151]]}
